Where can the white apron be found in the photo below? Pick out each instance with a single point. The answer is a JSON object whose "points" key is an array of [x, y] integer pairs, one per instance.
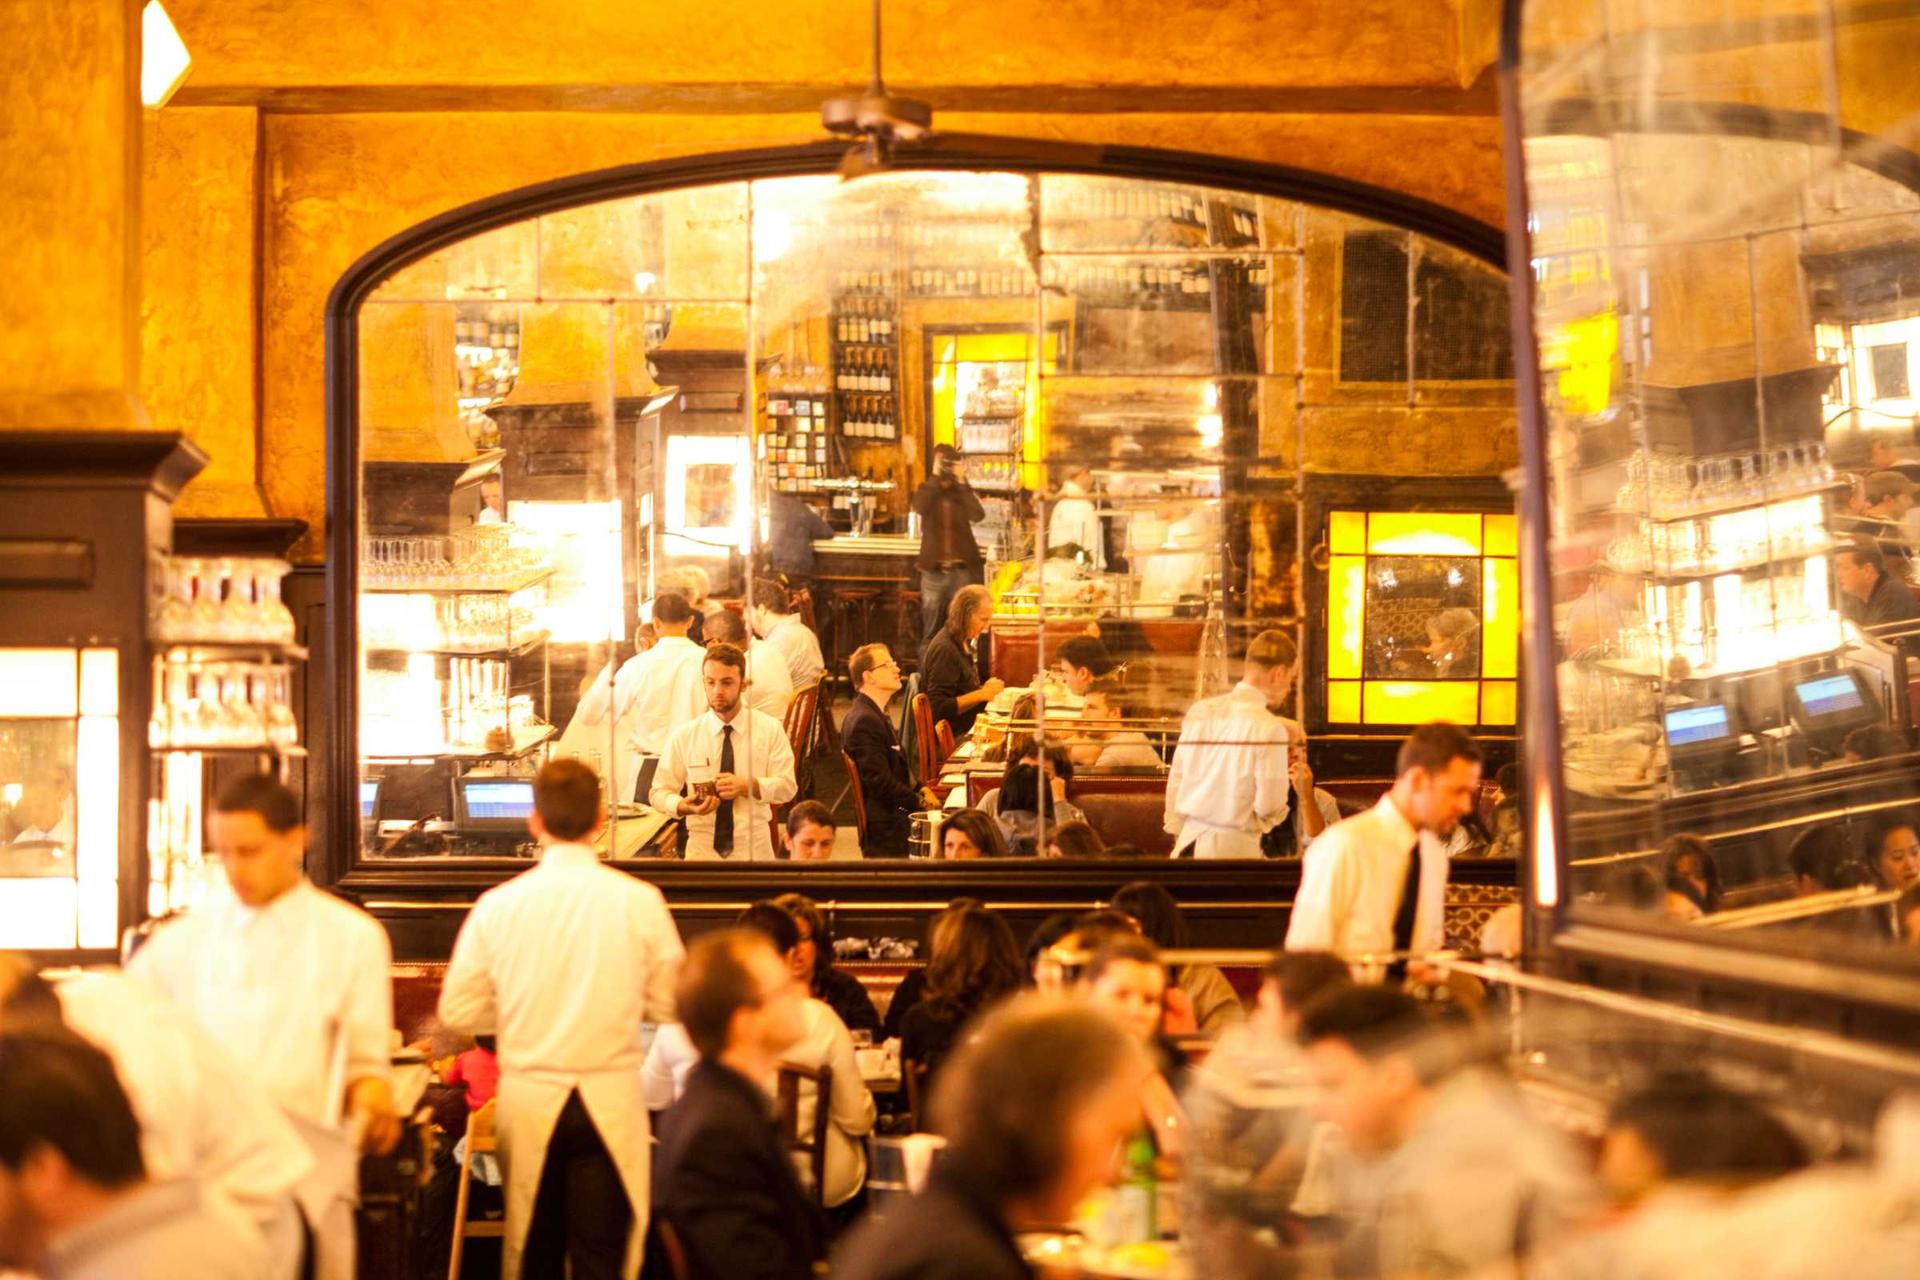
{"points": [[1209, 841], [328, 1195], [530, 1105]]}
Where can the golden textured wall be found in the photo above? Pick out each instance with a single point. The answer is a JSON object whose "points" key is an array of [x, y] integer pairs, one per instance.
{"points": [[199, 284]]}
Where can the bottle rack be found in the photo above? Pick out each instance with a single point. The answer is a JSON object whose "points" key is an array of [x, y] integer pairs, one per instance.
{"points": [[793, 447], [866, 356]]}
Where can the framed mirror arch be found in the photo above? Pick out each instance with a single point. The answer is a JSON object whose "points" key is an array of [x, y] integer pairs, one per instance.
{"points": [[546, 409]]}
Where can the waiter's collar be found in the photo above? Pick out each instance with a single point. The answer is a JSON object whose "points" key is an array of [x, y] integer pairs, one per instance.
{"points": [[563, 853], [685, 640], [1397, 822], [280, 905], [1245, 690], [739, 721]]}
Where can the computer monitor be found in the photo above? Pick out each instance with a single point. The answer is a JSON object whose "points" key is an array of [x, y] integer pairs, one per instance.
{"points": [[1830, 704], [1701, 729], [1761, 699], [493, 805]]}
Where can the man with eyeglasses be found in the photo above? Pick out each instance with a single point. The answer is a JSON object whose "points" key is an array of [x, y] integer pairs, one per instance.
{"points": [[886, 784], [725, 1184]]}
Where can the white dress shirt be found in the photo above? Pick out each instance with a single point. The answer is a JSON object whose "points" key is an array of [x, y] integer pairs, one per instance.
{"points": [[663, 688], [1350, 884], [825, 1043], [200, 1116], [760, 753], [1076, 520], [796, 641], [769, 683], [563, 963], [300, 990], [1228, 783]]}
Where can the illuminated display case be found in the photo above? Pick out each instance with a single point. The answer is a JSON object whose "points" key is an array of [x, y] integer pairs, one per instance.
{"points": [[1715, 220], [85, 528]]}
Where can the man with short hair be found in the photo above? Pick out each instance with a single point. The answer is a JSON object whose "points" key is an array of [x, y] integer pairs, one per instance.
{"points": [[200, 1115], [726, 1185], [1079, 661], [949, 553], [777, 623], [769, 682], [297, 984], [886, 783], [1377, 881], [809, 832], [723, 772], [1870, 596], [1455, 1177], [1073, 526], [663, 683], [1228, 784], [562, 964], [75, 1199]]}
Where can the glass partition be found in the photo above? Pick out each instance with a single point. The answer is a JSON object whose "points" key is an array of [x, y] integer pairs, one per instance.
{"points": [[1723, 227], [1185, 417]]}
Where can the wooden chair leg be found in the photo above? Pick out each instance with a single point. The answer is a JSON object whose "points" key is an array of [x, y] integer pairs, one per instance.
{"points": [[460, 1214]]}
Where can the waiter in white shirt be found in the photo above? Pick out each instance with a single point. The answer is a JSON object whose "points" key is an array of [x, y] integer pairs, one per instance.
{"points": [[769, 683], [655, 691], [1229, 781], [296, 984], [776, 622], [562, 964], [1075, 521], [738, 763], [1377, 881], [200, 1116]]}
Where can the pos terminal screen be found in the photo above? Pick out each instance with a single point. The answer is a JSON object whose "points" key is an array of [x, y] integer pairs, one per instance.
{"points": [[495, 803], [1697, 726], [1829, 696]]}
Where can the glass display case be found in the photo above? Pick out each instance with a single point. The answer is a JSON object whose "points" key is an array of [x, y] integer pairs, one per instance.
{"points": [[1150, 381], [1715, 220]]}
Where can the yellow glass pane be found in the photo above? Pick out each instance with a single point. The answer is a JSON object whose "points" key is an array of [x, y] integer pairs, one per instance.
{"points": [[1499, 702], [1418, 701], [1423, 533], [1343, 702], [1500, 618], [1347, 533], [991, 346], [1503, 536], [1346, 615]]}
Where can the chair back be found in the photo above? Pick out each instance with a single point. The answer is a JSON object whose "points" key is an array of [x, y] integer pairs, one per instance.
{"points": [[799, 720], [915, 1074], [481, 1129], [923, 742], [943, 740], [814, 1141], [859, 796]]}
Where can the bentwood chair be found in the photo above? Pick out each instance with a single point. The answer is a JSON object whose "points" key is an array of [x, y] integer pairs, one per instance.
{"points": [[916, 1082], [480, 1142], [814, 1142], [943, 739], [923, 741], [859, 795]]}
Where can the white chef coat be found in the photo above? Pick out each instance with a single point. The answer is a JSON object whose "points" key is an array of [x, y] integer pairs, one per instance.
{"points": [[796, 641], [1076, 520], [301, 991], [200, 1116], [1228, 783], [663, 686], [1350, 883], [760, 752], [769, 683], [604, 741], [825, 1043], [563, 963]]}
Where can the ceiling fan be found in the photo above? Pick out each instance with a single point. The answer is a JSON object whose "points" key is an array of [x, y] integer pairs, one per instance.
{"points": [[875, 120]]}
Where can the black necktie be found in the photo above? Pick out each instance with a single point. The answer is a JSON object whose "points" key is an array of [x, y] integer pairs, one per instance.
{"points": [[1409, 903], [723, 816]]}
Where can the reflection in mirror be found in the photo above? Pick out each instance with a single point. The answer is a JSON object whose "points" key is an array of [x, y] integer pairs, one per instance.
{"points": [[1027, 498], [1726, 342]]}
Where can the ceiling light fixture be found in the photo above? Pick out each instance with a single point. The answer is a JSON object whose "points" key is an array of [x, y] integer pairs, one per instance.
{"points": [[876, 120], [164, 60]]}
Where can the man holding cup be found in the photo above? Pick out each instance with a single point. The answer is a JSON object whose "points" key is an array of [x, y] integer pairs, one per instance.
{"points": [[722, 773]]}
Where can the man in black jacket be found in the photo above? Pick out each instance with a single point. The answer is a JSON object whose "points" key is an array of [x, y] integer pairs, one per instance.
{"points": [[949, 554], [1870, 596], [722, 1179], [886, 784]]}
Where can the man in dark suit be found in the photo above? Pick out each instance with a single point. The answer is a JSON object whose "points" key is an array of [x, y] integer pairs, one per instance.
{"points": [[886, 784], [722, 1178]]}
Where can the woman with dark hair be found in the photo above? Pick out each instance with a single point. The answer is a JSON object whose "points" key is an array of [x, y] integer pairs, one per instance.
{"points": [[974, 964], [813, 964], [1074, 840], [969, 833], [1216, 1005], [1692, 872], [1033, 796], [1032, 1109], [1018, 743], [913, 987], [1051, 930]]}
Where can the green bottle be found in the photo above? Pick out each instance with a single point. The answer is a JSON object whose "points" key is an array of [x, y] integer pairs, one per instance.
{"points": [[1137, 1198]]}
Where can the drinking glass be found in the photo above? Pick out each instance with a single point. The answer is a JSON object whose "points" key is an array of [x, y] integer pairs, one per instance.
{"points": [[275, 619]]}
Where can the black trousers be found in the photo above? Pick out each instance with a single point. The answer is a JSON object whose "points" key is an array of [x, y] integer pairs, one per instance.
{"points": [[581, 1214]]}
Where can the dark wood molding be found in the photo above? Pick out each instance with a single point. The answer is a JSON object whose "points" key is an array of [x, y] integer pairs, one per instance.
{"points": [[266, 537], [162, 461]]}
